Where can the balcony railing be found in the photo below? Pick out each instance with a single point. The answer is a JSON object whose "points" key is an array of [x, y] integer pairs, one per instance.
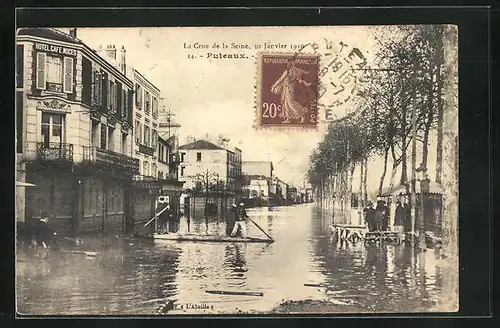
{"points": [[54, 151], [108, 157], [146, 150]]}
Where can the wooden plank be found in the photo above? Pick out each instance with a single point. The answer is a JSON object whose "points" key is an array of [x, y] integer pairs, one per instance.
{"points": [[208, 238], [226, 292]]}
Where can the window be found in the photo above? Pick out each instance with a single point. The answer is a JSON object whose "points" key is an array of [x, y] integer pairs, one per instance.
{"points": [[111, 138], [54, 70], [104, 137], [52, 129], [147, 105], [147, 136], [138, 96], [154, 139], [161, 153], [112, 96], [198, 157], [118, 98], [97, 88], [95, 134], [155, 107], [54, 73], [182, 171], [137, 131], [182, 156], [145, 168], [19, 121], [154, 172], [124, 144], [123, 103]]}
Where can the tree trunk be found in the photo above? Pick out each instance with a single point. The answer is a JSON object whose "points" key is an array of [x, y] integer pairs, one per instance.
{"points": [[404, 168], [394, 170], [349, 192], [450, 166], [365, 181], [382, 178], [429, 121], [439, 145]]}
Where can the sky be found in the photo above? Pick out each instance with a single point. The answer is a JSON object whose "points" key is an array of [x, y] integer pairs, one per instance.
{"points": [[216, 96]]}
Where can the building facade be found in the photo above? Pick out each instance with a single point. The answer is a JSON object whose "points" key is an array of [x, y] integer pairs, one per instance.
{"points": [[263, 168], [74, 133], [155, 141]]}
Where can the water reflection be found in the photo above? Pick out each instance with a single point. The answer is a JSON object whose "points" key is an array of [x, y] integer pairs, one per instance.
{"points": [[135, 276]]}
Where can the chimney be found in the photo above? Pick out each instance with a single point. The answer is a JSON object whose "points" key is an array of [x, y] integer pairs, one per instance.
{"points": [[123, 65], [111, 51], [72, 32]]}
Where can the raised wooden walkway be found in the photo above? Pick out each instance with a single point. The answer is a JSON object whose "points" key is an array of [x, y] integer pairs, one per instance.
{"points": [[354, 233], [349, 232]]}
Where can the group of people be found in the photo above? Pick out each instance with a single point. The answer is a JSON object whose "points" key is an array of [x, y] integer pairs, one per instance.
{"points": [[378, 218], [236, 225]]}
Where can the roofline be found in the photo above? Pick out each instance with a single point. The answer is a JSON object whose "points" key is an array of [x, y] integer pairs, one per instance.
{"points": [[85, 49], [150, 84]]}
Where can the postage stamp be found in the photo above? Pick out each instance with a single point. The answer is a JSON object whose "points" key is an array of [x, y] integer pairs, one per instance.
{"points": [[287, 90]]}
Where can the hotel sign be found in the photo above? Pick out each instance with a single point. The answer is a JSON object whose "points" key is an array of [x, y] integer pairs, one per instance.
{"points": [[55, 49]]}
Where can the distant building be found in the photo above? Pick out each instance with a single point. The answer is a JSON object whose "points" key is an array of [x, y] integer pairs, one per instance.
{"points": [[204, 163], [263, 168], [257, 186], [281, 189]]}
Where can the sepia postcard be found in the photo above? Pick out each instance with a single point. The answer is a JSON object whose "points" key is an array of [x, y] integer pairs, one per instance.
{"points": [[236, 170]]}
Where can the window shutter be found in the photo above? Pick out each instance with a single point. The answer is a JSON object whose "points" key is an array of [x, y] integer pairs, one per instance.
{"points": [[68, 75], [40, 70], [104, 91], [95, 85], [130, 105], [19, 66], [87, 81], [119, 98]]}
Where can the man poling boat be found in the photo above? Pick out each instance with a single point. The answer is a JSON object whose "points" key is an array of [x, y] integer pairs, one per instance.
{"points": [[238, 233]]}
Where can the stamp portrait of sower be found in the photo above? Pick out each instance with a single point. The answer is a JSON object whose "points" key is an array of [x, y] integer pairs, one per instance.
{"points": [[288, 90]]}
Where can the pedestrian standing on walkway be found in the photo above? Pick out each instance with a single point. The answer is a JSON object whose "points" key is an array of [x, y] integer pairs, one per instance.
{"points": [[407, 217], [370, 216], [386, 217], [399, 219], [379, 214]]}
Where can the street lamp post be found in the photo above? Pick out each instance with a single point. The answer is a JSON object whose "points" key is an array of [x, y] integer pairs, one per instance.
{"points": [[422, 178]]}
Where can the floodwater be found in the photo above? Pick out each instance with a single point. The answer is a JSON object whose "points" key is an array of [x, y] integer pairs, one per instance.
{"points": [[135, 276]]}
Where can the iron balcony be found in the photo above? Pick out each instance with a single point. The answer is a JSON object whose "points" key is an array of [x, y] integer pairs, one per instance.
{"points": [[110, 158], [55, 151]]}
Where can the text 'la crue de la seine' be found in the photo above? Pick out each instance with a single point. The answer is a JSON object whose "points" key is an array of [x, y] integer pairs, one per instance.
{"points": [[233, 50]]}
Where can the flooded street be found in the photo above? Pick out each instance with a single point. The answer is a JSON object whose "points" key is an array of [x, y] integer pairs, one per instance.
{"points": [[135, 276]]}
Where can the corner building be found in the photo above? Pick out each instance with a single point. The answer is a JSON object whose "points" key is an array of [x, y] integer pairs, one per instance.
{"points": [[74, 134]]}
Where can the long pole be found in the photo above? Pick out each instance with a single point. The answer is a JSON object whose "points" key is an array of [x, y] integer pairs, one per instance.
{"points": [[265, 233]]}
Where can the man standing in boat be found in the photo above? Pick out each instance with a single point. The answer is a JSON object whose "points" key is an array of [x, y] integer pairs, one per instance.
{"points": [[240, 224]]}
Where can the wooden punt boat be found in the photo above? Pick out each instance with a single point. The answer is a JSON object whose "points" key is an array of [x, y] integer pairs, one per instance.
{"points": [[209, 238]]}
